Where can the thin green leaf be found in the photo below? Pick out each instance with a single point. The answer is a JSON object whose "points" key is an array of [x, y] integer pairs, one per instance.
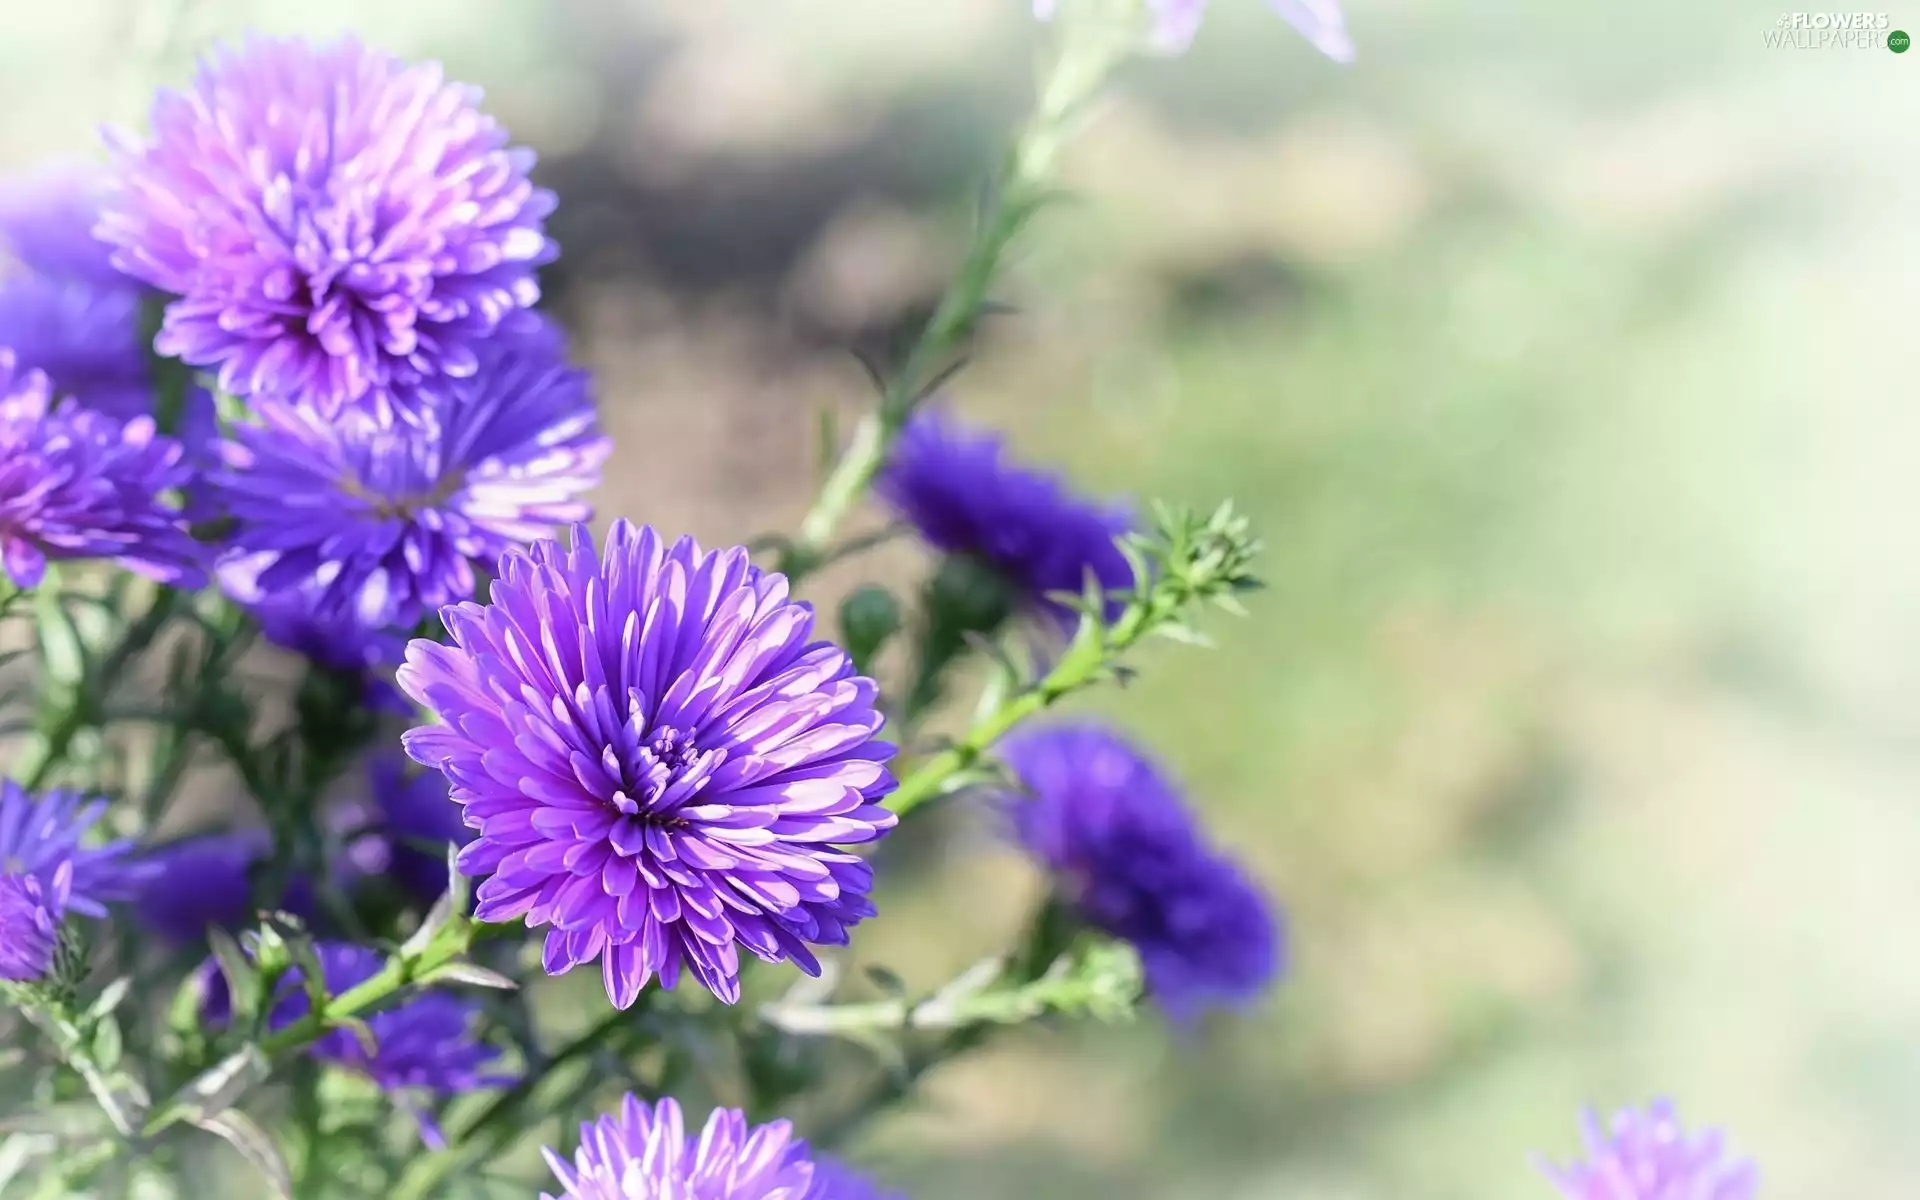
{"points": [[110, 998], [61, 650], [64, 1121], [107, 1044], [470, 974], [886, 980], [361, 1031], [243, 981], [240, 1132], [216, 1089]]}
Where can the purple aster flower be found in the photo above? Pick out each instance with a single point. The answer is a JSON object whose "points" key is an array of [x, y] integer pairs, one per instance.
{"points": [[1175, 22], [206, 881], [382, 520], [30, 916], [957, 488], [1646, 1155], [645, 1151], [46, 222], [1111, 826], [75, 483], [336, 223], [40, 836], [660, 761]]}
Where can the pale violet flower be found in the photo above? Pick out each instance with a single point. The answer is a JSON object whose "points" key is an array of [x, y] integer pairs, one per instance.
{"points": [[1175, 22]]}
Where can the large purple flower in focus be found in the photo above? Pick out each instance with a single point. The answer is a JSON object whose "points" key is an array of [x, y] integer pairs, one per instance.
{"points": [[1126, 851], [379, 521], [39, 835], [75, 483], [1175, 22], [336, 223], [30, 916], [644, 1152], [661, 762], [958, 489], [206, 882], [1646, 1155]]}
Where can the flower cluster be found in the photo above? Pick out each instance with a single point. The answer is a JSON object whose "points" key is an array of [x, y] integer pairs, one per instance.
{"points": [[637, 745], [1130, 859]]}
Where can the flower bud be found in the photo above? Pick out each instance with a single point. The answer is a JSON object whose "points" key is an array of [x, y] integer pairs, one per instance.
{"points": [[868, 618]]}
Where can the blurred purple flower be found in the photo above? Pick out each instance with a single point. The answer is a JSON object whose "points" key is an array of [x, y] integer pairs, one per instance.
{"points": [[71, 315], [1175, 22], [86, 339], [1127, 853], [30, 917], [75, 483], [645, 1151], [659, 759], [294, 619], [205, 881], [430, 1042], [378, 522], [413, 810], [835, 1180], [41, 835], [46, 222], [337, 224], [1646, 1155], [958, 489]]}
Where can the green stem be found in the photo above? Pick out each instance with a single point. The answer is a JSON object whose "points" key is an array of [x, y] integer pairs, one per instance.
{"points": [[77, 710], [398, 973], [1081, 666], [72, 1043], [506, 1118], [1088, 53], [1041, 941]]}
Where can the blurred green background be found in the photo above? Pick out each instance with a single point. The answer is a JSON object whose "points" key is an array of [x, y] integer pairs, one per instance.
{"points": [[1561, 352]]}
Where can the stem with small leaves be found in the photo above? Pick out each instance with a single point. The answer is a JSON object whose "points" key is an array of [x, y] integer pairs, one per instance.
{"points": [[1087, 53], [80, 707], [74, 1044], [1190, 561]]}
